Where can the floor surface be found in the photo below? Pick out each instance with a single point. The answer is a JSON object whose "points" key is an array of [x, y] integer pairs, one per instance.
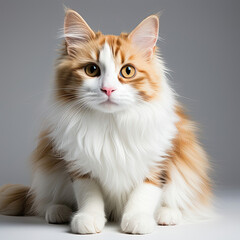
{"points": [[225, 227]]}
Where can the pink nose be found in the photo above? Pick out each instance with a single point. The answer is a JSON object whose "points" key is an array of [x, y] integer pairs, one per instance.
{"points": [[108, 90]]}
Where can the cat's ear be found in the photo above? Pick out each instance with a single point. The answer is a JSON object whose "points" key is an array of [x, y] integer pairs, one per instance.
{"points": [[76, 30], [145, 35]]}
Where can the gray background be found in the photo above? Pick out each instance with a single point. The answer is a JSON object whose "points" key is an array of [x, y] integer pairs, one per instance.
{"points": [[200, 45]]}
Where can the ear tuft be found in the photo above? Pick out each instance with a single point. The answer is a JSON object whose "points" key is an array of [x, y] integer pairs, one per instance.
{"points": [[76, 30], [145, 35]]}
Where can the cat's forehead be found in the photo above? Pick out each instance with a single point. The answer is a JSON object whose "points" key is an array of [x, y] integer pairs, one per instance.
{"points": [[106, 59], [117, 48]]}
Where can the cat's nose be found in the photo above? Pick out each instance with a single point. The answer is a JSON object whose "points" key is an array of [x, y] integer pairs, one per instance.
{"points": [[108, 90]]}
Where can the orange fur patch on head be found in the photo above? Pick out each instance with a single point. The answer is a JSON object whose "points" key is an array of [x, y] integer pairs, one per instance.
{"points": [[70, 67], [146, 81]]}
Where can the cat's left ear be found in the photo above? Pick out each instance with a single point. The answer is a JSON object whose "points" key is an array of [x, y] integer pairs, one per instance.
{"points": [[145, 35], [76, 30]]}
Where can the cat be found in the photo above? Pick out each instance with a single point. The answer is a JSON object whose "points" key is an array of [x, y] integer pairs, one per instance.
{"points": [[116, 144]]}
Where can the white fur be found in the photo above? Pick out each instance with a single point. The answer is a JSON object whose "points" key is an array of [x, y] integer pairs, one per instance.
{"points": [[90, 94], [117, 144], [117, 149], [58, 214], [168, 216], [138, 216], [50, 189], [90, 217], [85, 223], [177, 194], [179, 202], [108, 75]]}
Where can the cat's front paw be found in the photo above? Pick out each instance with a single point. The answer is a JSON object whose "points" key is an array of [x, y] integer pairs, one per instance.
{"points": [[169, 216], [58, 214], [138, 223], [86, 223]]}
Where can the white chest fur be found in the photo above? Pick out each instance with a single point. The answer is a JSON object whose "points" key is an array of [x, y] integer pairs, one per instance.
{"points": [[114, 148], [119, 149]]}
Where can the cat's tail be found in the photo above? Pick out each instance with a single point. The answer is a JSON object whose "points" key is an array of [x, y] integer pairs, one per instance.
{"points": [[15, 200]]}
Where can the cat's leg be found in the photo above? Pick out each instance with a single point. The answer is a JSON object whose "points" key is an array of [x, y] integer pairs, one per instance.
{"points": [[176, 194], [182, 197], [58, 213], [186, 191], [138, 216], [90, 217], [51, 187], [53, 195], [169, 215]]}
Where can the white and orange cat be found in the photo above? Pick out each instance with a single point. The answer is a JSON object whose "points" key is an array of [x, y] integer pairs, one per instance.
{"points": [[117, 144]]}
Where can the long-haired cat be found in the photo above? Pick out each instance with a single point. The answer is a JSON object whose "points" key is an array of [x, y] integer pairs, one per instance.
{"points": [[116, 145]]}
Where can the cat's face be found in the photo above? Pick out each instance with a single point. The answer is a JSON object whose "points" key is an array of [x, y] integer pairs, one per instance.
{"points": [[105, 72]]}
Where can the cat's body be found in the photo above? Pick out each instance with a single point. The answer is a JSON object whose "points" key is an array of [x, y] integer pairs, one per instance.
{"points": [[130, 156]]}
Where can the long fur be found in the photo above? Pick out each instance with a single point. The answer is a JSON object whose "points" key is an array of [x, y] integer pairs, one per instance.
{"points": [[121, 154]]}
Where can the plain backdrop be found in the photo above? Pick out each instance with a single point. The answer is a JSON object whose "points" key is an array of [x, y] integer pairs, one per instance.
{"points": [[200, 44]]}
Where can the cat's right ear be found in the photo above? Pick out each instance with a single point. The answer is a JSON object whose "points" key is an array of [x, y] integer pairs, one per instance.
{"points": [[76, 30], [145, 35]]}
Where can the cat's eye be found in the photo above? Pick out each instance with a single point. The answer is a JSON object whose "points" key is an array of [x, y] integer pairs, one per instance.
{"points": [[128, 71], [92, 70]]}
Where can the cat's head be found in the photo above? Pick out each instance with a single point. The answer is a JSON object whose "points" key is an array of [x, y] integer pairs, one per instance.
{"points": [[105, 72]]}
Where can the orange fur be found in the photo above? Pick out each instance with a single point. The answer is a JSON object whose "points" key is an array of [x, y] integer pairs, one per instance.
{"points": [[15, 200], [189, 159], [71, 67], [47, 159]]}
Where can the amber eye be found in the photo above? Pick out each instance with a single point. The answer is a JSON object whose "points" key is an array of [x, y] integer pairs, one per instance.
{"points": [[128, 71], [92, 70]]}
